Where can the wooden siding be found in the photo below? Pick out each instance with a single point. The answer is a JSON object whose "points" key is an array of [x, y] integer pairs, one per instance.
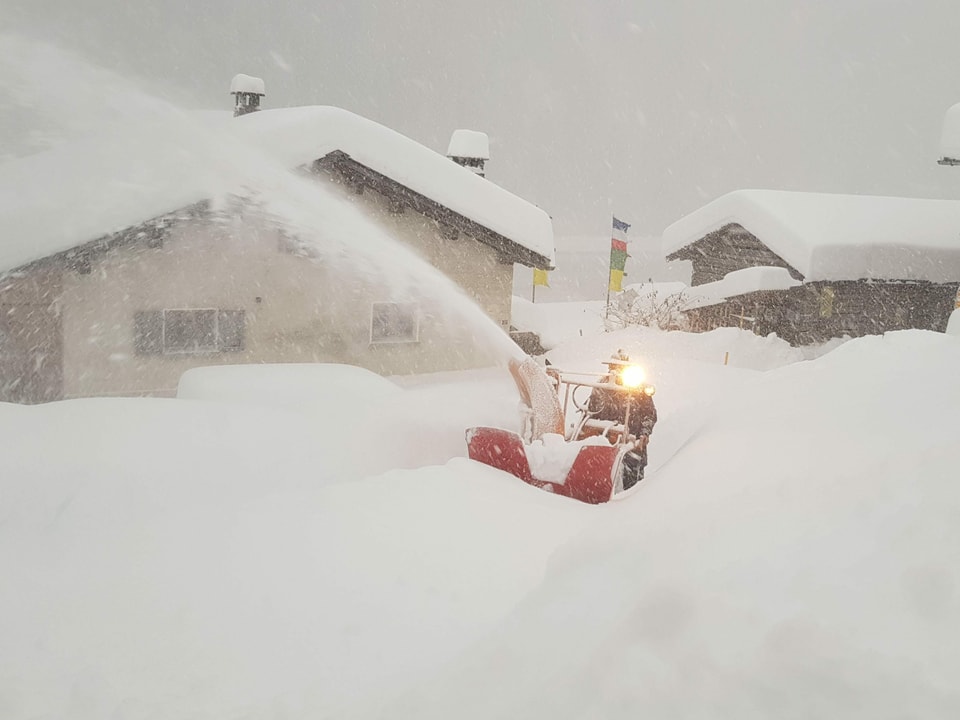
{"points": [[817, 312], [730, 248]]}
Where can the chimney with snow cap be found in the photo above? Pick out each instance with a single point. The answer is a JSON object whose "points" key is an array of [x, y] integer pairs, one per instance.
{"points": [[469, 148], [247, 90]]}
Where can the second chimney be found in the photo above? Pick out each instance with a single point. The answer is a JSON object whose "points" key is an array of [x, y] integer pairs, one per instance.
{"points": [[469, 148], [247, 90]]}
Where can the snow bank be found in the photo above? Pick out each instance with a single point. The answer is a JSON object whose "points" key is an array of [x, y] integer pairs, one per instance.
{"points": [[304, 387], [556, 323], [953, 324], [377, 424], [791, 553], [796, 558], [743, 281], [193, 559]]}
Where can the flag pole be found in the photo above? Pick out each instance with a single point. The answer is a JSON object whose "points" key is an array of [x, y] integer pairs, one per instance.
{"points": [[606, 308], [606, 312]]}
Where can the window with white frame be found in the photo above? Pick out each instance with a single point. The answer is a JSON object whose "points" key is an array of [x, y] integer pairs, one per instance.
{"points": [[393, 322], [188, 331]]}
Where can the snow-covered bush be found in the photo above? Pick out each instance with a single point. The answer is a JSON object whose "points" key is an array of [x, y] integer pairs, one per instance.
{"points": [[647, 305]]}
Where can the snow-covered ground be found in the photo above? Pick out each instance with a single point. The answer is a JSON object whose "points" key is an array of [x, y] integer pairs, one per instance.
{"points": [[311, 542]]}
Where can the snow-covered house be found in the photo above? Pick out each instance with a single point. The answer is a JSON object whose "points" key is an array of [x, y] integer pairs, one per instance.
{"points": [[812, 266], [119, 271]]}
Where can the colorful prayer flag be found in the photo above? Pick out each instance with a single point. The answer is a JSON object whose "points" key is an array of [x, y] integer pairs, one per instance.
{"points": [[618, 254], [540, 278], [616, 280]]}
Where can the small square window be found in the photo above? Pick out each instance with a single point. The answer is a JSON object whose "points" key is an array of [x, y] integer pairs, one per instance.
{"points": [[230, 326], [394, 323]]}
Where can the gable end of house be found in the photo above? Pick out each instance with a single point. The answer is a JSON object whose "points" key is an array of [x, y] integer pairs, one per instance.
{"points": [[726, 250], [81, 257]]}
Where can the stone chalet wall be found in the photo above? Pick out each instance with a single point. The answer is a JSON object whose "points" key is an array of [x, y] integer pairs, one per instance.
{"points": [[817, 312]]}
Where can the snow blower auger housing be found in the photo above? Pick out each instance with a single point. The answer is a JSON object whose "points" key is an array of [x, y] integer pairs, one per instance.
{"points": [[582, 459]]}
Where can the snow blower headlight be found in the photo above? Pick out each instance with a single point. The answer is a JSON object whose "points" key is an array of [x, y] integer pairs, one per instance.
{"points": [[632, 376], [649, 390]]}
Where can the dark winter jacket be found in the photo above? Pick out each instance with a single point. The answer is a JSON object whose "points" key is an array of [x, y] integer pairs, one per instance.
{"points": [[612, 405]]}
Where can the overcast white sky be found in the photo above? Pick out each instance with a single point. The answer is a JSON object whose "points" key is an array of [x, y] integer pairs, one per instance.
{"points": [[645, 108]]}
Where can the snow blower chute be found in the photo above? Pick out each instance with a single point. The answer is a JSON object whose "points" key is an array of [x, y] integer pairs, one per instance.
{"points": [[584, 461]]}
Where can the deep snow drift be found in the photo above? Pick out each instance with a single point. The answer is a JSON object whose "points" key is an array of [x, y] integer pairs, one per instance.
{"points": [[792, 552]]}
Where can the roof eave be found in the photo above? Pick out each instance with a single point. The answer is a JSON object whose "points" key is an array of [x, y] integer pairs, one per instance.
{"points": [[508, 249]]}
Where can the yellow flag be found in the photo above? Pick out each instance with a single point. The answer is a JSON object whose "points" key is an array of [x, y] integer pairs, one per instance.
{"points": [[616, 280], [540, 277]]}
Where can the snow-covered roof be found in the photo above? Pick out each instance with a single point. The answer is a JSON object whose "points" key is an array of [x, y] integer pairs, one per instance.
{"points": [[469, 144], [740, 282], [950, 135], [838, 237], [296, 135], [83, 190], [247, 84], [56, 200]]}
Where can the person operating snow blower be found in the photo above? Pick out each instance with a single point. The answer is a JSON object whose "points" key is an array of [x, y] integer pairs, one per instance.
{"points": [[634, 410], [615, 416]]}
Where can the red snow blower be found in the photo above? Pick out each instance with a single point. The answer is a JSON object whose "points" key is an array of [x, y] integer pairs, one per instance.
{"points": [[600, 438]]}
